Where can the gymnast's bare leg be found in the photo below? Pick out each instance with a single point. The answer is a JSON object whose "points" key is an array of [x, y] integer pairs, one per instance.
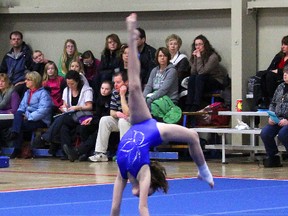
{"points": [[139, 111]]}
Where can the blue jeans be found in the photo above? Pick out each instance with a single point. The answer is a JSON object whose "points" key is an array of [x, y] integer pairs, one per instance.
{"points": [[268, 134], [20, 126]]}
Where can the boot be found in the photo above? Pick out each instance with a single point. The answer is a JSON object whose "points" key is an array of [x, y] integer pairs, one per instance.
{"points": [[273, 161], [16, 153]]}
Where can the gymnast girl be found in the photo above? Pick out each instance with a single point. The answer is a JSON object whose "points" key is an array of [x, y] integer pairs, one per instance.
{"points": [[133, 151]]}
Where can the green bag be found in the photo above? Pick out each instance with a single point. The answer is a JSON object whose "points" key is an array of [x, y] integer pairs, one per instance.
{"points": [[164, 108]]}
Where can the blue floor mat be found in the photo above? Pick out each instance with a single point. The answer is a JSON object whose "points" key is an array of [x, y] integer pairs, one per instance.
{"points": [[233, 197]]}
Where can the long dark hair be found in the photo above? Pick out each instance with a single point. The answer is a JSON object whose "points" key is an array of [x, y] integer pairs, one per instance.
{"points": [[285, 42], [74, 75], [158, 177], [208, 49]]}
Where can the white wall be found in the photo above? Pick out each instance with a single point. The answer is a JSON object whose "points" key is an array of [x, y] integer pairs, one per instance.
{"points": [[272, 27], [48, 32]]}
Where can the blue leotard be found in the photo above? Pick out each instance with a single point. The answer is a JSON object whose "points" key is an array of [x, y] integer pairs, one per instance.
{"points": [[133, 149]]}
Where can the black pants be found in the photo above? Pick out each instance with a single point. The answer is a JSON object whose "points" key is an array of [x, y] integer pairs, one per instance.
{"points": [[68, 130], [198, 85], [88, 135]]}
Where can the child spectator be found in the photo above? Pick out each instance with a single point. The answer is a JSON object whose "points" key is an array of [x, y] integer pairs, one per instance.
{"points": [[70, 53], [39, 62], [77, 66], [54, 83]]}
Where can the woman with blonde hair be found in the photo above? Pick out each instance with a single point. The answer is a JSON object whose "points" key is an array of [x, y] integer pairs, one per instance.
{"points": [[34, 111], [70, 53]]}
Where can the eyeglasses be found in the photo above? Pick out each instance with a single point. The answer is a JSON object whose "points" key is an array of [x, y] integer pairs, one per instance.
{"points": [[199, 44], [87, 63]]}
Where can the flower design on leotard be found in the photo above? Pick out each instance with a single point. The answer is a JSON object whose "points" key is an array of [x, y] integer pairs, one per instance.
{"points": [[133, 145]]}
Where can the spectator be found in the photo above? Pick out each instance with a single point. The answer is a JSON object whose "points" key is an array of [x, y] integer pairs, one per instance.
{"points": [[146, 56], [54, 83], [89, 128], [9, 103], [273, 76], [110, 57], [124, 57], [39, 62], [279, 105], [77, 65], [206, 74], [118, 119], [17, 61], [163, 79], [70, 53], [76, 97], [180, 61], [34, 111], [91, 71]]}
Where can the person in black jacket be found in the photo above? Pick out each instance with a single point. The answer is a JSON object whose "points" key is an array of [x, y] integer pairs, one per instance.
{"points": [[110, 58], [146, 54], [274, 75], [89, 128]]}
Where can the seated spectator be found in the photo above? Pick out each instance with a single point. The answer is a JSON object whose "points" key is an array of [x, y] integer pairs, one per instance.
{"points": [[70, 53], [206, 74], [34, 111], [76, 97], [146, 56], [124, 57], [77, 65], [180, 61], [17, 61], [275, 75], [279, 105], [55, 84], [91, 70], [118, 119], [9, 103], [89, 128], [110, 57], [163, 79], [39, 62]]}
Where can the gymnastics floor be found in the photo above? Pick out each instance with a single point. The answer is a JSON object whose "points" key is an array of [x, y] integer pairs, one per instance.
{"points": [[230, 196]]}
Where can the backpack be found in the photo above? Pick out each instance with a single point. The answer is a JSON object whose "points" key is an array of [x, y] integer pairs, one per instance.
{"points": [[212, 118], [165, 109], [259, 90]]}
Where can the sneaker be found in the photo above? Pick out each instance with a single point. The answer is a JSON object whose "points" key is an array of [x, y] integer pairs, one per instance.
{"points": [[272, 162], [98, 157]]}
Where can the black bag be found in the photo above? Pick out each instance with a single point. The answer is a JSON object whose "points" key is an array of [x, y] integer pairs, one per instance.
{"points": [[260, 95]]}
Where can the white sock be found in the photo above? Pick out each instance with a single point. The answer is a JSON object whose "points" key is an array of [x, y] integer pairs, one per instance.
{"points": [[205, 174]]}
